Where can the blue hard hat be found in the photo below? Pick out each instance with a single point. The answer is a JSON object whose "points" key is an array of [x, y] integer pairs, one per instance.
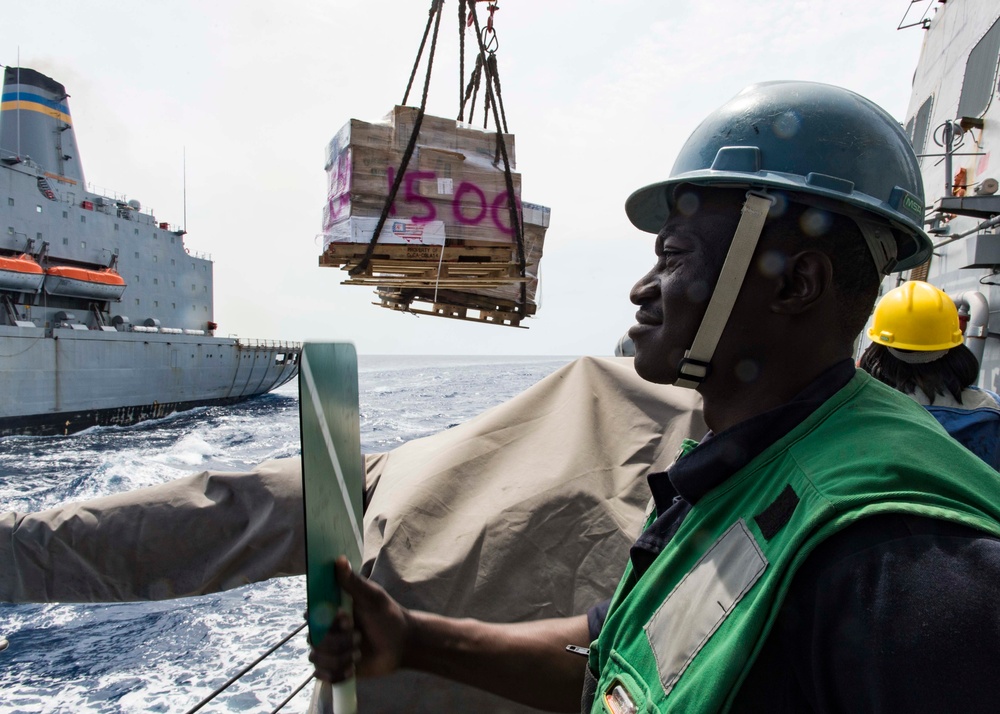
{"points": [[818, 143]]}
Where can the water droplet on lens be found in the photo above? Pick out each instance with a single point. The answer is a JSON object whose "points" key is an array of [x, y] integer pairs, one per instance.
{"points": [[771, 263], [687, 204], [787, 125], [815, 222]]}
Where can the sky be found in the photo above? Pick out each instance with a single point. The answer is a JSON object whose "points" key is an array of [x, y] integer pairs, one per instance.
{"points": [[232, 103]]}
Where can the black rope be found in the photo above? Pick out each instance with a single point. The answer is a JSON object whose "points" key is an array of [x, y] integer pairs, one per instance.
{"points": [[515, 219], [461, 58], [492, 65], [420, 51], [486, 101], [410, 146], [243, 671], [473, 89], [291, 696]]}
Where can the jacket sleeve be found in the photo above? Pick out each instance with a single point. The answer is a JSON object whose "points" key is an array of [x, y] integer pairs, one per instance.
{"points": [[895, 613], [203, 533]]}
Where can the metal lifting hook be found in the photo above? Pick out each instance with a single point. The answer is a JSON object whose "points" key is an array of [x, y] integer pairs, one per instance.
{"points": [[493, 7], [489, 35]]}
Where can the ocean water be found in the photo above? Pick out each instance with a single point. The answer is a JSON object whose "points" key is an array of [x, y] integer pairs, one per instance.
{"points": [[167, 656]]}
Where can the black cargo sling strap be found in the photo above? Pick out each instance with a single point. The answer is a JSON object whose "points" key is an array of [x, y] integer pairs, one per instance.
{"points": [[486, 65]]}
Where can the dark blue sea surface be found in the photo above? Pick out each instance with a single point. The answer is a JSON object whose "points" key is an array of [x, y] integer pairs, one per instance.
{"points": [[166, 656]]}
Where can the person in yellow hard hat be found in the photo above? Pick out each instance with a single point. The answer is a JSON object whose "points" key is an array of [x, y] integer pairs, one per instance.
{"points": [[917, 348]]}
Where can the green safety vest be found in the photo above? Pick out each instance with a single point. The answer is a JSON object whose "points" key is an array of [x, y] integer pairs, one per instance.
{"points": [[683, 636]]}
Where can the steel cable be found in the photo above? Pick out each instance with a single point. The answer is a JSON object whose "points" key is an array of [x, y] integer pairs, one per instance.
{"points": [[243, 671]]}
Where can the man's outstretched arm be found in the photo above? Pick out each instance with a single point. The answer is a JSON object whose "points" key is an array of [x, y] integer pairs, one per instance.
{"points": [[526, 662]]}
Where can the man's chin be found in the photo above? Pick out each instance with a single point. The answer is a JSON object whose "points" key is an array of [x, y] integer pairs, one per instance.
{"points": [[651, 366]]}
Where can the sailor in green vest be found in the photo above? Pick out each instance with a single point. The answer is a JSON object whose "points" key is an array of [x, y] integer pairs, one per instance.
{"points": [[827, 547]]}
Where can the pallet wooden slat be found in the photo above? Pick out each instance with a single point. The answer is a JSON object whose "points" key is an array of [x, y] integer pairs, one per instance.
{"points": [[457, 302], [493, 317], [339, 253]]}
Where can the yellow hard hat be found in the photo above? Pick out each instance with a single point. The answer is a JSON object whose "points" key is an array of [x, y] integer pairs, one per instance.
{"points": [[916, 316]]}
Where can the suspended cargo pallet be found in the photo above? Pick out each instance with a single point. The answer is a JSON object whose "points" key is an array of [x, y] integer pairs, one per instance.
{"points": [[450, 226]]}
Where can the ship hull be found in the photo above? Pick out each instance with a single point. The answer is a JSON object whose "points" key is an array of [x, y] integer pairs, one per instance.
{"points": [[64, 423], [123, 327], [75, 379]]}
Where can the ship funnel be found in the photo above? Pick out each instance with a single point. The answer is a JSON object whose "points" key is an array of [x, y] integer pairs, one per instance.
{"points": [[35, 123]]}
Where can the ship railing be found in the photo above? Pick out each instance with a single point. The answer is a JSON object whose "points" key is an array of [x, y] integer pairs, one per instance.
{"points": [[107, 193], [120, 203], [280, 345]]}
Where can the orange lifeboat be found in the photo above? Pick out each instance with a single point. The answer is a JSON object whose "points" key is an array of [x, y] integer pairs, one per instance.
{"points": [[70, 281], [21, 274]]}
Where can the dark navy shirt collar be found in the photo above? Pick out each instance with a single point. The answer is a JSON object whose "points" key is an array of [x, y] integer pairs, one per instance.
{"points": [[721, 455]]}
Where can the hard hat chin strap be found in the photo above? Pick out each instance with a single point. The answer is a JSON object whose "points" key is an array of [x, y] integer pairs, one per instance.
{"points": [[695, 366], [881, 243]]}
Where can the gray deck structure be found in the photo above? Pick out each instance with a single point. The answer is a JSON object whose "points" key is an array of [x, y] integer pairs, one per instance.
{"points": [[952, 122], [74, 358]]}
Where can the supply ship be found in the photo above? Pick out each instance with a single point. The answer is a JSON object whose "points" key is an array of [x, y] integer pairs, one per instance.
{"points": [[953, 121], [105, 317]]}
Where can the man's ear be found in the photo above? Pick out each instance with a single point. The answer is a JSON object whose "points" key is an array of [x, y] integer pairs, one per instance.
{"points": [[806, 278]]}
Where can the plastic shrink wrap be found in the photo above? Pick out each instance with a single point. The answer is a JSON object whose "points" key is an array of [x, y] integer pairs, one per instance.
{"points": [[447, 241]]}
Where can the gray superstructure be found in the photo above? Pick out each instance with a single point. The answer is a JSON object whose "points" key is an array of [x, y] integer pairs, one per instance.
{"points": [[85, 347], [953, 121]]}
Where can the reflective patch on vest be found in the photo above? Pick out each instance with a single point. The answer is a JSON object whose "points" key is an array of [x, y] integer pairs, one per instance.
{"points": [[702, 601], [618, 701]]}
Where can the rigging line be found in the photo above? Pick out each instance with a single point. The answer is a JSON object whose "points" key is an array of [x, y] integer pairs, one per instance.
{"points": [[292, 695], [472, 90], [243, 671], [515, 222], [492, 64], [487, 96], [430, 56], [420, 50], [461, 58], [407, 154]]}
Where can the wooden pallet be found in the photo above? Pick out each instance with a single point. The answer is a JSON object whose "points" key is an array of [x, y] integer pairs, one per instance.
{"points": [[405, 266], [340, 254], [455, 305], [425, 280], [459, 299], [429, 277], [492, 317]]}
